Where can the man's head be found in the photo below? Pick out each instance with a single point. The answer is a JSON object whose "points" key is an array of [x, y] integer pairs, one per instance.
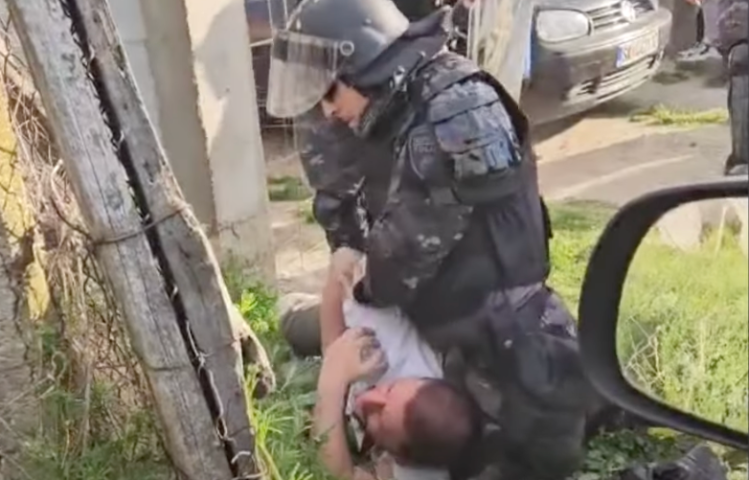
{"points": [[423, 422], [326, 41], [344, 103]]}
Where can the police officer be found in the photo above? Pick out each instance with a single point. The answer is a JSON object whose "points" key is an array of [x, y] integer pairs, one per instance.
{"points": [[460, 241], [350, 176], [731, 26], [733, 43]]}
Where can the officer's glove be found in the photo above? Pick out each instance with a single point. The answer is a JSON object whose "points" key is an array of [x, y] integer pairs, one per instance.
{"points": [[700, 463]]}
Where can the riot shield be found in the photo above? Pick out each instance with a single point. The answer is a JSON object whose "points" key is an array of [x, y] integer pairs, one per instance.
{"points": [[500, 39]]}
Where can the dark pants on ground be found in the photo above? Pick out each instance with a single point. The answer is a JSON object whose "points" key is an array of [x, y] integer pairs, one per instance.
{"points": [[737, 60]]}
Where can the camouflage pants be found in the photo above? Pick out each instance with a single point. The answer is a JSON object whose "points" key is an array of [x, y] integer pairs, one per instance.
{"points": [[738, 108], [733, 35], [300, 323]]}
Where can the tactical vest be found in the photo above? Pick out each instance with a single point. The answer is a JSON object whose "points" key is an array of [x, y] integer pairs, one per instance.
{"points": [[506, 244]]}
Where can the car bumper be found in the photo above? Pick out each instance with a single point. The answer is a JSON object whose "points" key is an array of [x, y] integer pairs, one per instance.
{"points": [[575, 76]]}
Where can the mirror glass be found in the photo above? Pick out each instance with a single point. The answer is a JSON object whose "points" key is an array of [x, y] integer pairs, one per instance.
{"points": [[683, 328]]}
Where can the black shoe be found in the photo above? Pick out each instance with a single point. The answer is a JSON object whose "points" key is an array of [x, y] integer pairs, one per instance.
{"points": [[735, 168], [700, 463]]}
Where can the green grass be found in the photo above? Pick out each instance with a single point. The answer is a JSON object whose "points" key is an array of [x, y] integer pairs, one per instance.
{"points": [[306, 213], [286, 189], [674, 297], [661, 115], [683, 328], [283, 417]]}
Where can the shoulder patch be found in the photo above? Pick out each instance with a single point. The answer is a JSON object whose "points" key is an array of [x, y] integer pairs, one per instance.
{"points": [[460, 98], [424, 153]]}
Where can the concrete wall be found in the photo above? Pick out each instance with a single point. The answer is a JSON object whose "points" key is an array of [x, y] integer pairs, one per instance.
{"points": [[193, 66], [192, 62]]}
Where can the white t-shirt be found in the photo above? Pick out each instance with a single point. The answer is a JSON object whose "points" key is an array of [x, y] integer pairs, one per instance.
{"points": [[408, 356]]}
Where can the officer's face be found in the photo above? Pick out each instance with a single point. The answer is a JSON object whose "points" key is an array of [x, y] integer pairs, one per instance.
{"points": [[382, 409], [344, 103]]}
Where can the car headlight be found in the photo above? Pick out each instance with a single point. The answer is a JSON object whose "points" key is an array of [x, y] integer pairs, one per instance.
{"points": [[561, 25]]}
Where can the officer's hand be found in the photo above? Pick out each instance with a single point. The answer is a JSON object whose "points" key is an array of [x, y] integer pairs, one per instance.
{"points": [[356, 355], [345, 265]]}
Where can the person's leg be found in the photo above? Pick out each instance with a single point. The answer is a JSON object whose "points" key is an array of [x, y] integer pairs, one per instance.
{"points": [[710, 14], [700, 26], [738, 109], [602, 416], [299, 316], [707, 34]]}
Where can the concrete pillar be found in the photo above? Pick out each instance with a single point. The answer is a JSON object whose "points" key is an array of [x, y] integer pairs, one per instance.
{"points": [[193, 65], [684, 227]]}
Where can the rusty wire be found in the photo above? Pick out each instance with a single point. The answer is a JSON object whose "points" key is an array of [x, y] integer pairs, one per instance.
{"points": [[86, 350]]}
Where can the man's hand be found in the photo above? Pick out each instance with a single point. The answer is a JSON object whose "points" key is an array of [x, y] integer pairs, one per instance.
{"points": [[355, 355], [345, 264], [696, 3]]}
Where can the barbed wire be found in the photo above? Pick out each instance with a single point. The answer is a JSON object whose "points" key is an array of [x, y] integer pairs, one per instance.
{"points": [[85, 353]]}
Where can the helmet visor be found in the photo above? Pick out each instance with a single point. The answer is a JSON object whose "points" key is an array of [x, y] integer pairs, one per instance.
{"points": [[303, 69]]}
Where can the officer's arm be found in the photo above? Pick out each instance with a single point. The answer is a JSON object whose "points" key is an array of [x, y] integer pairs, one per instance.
{"points": [[338, 216], [408, 244], [329, 157]]}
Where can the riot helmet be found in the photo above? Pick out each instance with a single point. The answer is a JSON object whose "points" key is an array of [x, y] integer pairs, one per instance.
{"points": [[327, 40]]}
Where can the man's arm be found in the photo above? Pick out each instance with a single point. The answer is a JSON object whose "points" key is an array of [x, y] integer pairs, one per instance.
{"points": [[330, 424], [342, 365], [420, 228], [330, 428], [343, 268]]}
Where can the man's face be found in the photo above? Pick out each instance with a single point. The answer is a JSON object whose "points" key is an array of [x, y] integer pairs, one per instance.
{"points": [[382, 410], [345, 104]]}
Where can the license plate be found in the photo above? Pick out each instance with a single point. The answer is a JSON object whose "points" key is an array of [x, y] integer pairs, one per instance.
{"points": [[636, 49]]}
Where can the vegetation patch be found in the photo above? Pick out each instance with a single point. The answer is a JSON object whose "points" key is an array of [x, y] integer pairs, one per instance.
{"points": [[662, 115], [287, 189], [665, 291]]}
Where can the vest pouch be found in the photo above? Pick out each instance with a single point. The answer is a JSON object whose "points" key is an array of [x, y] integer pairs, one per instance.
{"points": [[490, 188]]}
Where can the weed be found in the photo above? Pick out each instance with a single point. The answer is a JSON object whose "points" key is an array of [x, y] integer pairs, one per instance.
{"points": [[80, 441], [282, 420], [682, 331], [306, 213], [662, 115], [688, 309], [286, 189]]}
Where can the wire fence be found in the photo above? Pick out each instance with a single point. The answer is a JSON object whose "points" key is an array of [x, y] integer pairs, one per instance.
{"points": [[86, 380]]}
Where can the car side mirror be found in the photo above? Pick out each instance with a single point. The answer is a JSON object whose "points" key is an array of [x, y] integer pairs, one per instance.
{"points": [[664, 322]]}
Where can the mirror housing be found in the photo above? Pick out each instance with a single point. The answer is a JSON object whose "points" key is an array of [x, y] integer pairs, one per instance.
{"points": [[601, 296]]}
